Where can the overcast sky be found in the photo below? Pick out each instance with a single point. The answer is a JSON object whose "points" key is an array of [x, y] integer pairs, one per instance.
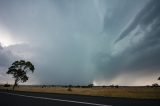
{"points": [[82, 41]]}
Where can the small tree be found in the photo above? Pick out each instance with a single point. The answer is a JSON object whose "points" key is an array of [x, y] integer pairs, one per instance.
{"points": [[155, 85], [90, 85], [19, 71]]}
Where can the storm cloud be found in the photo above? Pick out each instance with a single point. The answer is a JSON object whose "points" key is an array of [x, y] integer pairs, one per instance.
{"points": [[137, 47], [82, 42]]}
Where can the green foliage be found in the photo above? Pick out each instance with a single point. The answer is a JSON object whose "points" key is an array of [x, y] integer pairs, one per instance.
{"points": [[19, 70]]}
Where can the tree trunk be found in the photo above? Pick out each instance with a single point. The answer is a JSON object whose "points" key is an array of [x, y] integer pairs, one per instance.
{"points": [[15, 84]]}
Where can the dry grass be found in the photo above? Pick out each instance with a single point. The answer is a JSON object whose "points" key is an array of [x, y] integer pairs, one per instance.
{"points": [[125, 92]]}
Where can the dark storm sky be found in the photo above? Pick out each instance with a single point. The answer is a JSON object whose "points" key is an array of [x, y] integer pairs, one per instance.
{"points": [[82, 41]]}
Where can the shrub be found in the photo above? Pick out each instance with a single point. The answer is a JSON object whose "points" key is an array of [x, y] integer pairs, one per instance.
{"points": [[90, 85], [155, 85], [6, 85]]}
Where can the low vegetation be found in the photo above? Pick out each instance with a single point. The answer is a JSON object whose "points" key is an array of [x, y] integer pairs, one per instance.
{"points": [[147, 92], [20, 68]]}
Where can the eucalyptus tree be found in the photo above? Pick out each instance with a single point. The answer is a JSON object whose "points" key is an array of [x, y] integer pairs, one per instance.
{"points": [[19, 70]]}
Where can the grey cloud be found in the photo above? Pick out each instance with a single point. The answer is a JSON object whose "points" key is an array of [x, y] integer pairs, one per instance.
{"points": [[59, 34], [142, 55], [115, 17], [144, 17], [64, 40], [5, 57], [9, 54]]}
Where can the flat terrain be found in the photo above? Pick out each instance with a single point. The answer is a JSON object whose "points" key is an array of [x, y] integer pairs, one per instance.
{"points": [[122, 92], [46, 99]]}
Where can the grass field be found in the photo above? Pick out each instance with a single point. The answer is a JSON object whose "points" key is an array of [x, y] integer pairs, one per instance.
{"points": [[125, 92]]}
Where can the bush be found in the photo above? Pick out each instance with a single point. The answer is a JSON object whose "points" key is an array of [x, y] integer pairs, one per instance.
{"points": [[44, 86], [155, 85], [103, 86], [6, 85], [69, 89], [90, 85], [112, 86], [116, 86]]}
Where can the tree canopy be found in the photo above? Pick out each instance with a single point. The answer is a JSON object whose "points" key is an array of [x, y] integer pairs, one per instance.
{"points": [[19, 70]]}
